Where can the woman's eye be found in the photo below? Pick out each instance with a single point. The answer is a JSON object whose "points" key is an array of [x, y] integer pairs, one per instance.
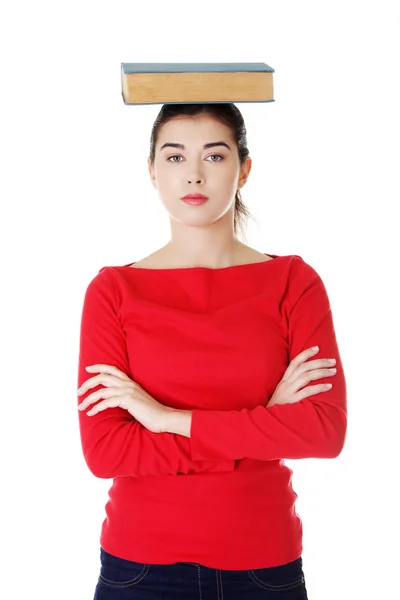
{"points": [[178, 156]]}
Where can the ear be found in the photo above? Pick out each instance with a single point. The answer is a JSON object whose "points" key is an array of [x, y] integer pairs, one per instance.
{"points": [[151, 171], [244, 172]]}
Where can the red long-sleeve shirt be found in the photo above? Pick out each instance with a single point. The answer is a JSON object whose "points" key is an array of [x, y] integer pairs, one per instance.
{"points": [[217, 342]]}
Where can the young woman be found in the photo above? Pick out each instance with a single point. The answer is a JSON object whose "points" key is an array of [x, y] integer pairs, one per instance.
{"points": [[195, 371]]}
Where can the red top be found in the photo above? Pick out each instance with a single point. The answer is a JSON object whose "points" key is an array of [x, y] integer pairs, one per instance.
{"points": [[215, 341]]}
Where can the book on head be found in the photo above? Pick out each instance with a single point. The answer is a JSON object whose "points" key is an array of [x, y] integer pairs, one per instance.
{"points": [[176, 83]]}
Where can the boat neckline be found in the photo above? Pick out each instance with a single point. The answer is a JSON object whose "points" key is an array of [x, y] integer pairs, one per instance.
{"points": [[230, 268]]}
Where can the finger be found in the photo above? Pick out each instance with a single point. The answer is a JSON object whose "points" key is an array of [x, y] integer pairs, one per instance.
{"points": [[110, 369], [103, 393], [114, 402], [88, 384], [104, 379], [298, 360], [109, 403]]}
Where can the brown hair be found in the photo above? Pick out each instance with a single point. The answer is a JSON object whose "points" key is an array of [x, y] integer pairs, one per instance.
{"points": [[229, 115]]}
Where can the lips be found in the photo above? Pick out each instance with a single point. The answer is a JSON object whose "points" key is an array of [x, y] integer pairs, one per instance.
{"points": [[194, 197]]}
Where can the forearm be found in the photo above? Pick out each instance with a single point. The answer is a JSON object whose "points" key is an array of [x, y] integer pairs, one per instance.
{"points": [[178, 421]]}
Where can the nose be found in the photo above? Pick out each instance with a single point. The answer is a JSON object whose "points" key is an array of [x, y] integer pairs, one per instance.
{"points": [[196, 176]]}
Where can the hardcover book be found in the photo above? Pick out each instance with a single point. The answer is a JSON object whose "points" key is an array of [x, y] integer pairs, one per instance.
{"points": [[176, 83]]}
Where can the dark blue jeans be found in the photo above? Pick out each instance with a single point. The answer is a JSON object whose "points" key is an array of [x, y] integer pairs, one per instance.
{"points": [[121, 579]]}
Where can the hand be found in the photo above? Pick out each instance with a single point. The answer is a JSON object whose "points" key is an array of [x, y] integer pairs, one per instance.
{"points": [[121, 391], [298, 374]]}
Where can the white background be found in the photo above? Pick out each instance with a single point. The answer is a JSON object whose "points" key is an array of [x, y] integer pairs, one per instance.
{"points": [[76, 195]]}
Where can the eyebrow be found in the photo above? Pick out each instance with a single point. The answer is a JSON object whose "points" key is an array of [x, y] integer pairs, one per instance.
{"points": [[182, 147]]}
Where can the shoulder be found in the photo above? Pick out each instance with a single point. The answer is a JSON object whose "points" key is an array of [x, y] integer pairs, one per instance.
{"points": [[305, 286], [301, 269], [104, 284], [103, 276]]}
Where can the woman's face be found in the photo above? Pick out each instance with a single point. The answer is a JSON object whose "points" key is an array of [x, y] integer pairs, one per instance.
{"points": [[214, 171]]}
